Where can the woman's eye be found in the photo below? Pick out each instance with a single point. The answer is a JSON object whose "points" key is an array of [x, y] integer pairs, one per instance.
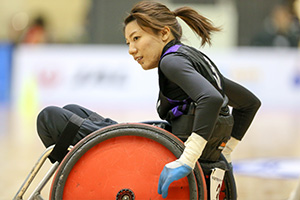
{"points": [[135, 38]]}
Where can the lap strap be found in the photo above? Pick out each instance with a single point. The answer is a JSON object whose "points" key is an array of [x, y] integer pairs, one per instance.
{"points": [[66, 138]]}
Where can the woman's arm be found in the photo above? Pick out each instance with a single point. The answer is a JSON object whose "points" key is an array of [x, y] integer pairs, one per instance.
{"points": [[245, 105]]}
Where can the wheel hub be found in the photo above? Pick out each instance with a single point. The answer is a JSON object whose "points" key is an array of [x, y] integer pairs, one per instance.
{"points": [[125, 194]]}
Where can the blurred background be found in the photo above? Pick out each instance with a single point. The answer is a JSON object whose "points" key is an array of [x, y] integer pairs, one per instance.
{"points": [[73, 51]]}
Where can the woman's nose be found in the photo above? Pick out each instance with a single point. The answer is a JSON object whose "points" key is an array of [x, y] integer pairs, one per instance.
{"points": [[132, 50]]}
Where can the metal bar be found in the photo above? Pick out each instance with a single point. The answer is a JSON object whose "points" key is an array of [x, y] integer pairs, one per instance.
{"points": [[33, 173], [43, 182]]}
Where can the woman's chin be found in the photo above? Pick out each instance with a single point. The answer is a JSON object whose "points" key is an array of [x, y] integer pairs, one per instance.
{"points": [[148, 67]]}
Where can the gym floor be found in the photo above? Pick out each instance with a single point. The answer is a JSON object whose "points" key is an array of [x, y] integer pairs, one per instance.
{"points": [[272, 140]]}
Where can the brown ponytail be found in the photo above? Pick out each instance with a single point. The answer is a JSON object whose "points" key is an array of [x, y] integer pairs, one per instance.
{"points": [[198, 23], [156, 16]]}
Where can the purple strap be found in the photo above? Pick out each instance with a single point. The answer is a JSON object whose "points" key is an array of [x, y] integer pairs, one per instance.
{"points": [[172, 49], [182, 103], [176, 112]]}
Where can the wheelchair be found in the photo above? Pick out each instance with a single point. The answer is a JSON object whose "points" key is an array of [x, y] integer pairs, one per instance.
{"points": [[124, 162]]}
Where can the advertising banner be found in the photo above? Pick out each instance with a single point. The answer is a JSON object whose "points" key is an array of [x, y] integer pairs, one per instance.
{"points": [[103, 78], [106, 78]]}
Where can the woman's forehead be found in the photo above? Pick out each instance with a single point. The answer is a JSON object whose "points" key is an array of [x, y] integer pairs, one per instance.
{"points": [[131, 28]]}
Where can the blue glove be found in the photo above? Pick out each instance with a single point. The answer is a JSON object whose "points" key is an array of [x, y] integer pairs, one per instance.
{"points": [[172, 172]]}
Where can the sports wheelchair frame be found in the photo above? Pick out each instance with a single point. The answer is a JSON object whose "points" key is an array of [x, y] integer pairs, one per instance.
{"points": [[124, 161]]}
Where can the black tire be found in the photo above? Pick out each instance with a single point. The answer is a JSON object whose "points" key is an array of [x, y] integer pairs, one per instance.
{"points": [[229, 181]]}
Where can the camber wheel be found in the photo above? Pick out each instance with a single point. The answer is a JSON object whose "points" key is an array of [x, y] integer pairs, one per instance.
{"points": [[124, 161]]}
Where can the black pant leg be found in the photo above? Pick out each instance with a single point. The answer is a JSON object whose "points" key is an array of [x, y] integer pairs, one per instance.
{"points": [[51, 122], [88, 114], [78, 110]]}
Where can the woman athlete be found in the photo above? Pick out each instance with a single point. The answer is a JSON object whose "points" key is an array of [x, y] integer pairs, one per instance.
{"points": [[189, 83], [186, 77]]}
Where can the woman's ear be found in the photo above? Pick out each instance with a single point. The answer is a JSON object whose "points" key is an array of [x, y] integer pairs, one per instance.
{"points": [[166, 33]]}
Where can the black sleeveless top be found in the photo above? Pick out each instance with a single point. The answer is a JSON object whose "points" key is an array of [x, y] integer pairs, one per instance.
{"points": [[187, 75]]}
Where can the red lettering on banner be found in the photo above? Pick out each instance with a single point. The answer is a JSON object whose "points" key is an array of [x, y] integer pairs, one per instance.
{"points": [[48, 78]]}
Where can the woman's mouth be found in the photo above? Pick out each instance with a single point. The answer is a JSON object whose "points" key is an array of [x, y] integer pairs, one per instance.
{"points": [[139, 59]]}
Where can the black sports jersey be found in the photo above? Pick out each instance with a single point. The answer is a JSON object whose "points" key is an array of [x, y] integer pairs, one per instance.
{"points": [[186, 74]]}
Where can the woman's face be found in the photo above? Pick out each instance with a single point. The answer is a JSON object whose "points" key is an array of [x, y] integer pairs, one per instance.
{"points": [[144, 45]]}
